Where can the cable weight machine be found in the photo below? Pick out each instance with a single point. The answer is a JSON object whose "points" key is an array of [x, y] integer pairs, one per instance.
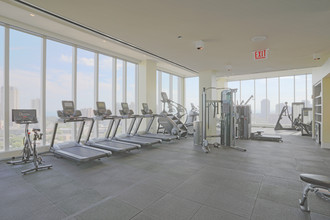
{"points": [[227, 120]]}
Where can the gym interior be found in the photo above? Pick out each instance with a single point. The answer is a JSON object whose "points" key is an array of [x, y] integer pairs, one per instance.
{"points": [[165, 109]]}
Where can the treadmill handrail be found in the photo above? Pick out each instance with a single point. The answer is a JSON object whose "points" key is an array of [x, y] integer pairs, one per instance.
{"points": [[74, 119], [129, 116], [106, 117]]}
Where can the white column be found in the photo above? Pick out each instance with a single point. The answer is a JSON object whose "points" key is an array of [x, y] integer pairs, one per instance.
{"points": [[170, 95], [182, 89], [208, 79], [147, 86]]}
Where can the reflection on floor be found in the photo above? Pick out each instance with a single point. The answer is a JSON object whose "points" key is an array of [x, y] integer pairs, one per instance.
{"points": [[172, 181]]}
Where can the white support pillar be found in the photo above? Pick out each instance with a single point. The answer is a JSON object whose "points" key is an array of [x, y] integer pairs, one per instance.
{"points": [[182, 95], [170, 95], [147, 85], [221, 83], [208, 79]]}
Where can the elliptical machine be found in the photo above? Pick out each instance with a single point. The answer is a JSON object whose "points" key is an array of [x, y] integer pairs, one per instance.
{"points": [[176, 118], [28, 116]]}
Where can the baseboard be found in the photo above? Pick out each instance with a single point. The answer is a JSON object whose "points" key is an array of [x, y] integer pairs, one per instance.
{"points": [[325, 145], [17, 153]]}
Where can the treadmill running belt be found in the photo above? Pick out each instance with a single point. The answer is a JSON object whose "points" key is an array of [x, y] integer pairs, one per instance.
{"points": [[116, 145], [83, 152]]}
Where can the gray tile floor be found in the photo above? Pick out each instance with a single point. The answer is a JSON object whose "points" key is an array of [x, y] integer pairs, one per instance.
{"points": [[172, 181]]}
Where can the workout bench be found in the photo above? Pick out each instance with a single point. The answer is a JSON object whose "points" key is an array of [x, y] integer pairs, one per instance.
{"points": [[315, 182]]}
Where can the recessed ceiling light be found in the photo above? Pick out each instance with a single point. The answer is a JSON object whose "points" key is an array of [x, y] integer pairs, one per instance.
{"points": [[32, 15], [258, 38]]}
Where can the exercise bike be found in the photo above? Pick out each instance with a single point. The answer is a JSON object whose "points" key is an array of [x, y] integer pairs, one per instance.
{"points": [[29, 154]]}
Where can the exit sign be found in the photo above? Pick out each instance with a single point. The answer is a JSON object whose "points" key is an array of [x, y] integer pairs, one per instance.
{"points": [[261, 54]]}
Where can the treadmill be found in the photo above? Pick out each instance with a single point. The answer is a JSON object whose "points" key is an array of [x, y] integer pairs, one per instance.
{"points": [[107, 143], [74, 149], [126, 113], [147, 113]]}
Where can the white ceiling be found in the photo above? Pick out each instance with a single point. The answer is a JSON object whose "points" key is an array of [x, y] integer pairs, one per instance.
{"points": [[295, 29]]}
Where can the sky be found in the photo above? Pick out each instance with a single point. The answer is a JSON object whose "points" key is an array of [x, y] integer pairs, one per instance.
{"points": [[25, 73], [192, 92]]}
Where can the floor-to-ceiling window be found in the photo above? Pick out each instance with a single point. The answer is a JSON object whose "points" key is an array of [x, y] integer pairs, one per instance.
{"points": [[2, 57], [191, 92], [120, 91], [58, 87], [270, 95], [175, 90], [300, 88], [261, 102], [309, 91], [24, 79], [236, 85], [166, 83], [247, 90], [105, 88], [286, 95], [171, 85], [273, 99], [131, 87], [85, 85], [69, 75], [85, 82]]}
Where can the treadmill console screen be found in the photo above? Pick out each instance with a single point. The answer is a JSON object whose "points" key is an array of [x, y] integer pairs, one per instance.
{"points": [[68, 107], [164, 96], [145, 107], [126, 110], [124, 105], [100, 105], [24, 116]]}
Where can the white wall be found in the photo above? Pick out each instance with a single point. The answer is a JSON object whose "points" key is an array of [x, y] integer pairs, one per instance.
{"points": [[320, 72]]}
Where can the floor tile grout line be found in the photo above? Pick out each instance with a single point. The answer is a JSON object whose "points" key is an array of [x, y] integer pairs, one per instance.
{"points": [[255, 201], [196, 212], [104, 200], [202, 204]]}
